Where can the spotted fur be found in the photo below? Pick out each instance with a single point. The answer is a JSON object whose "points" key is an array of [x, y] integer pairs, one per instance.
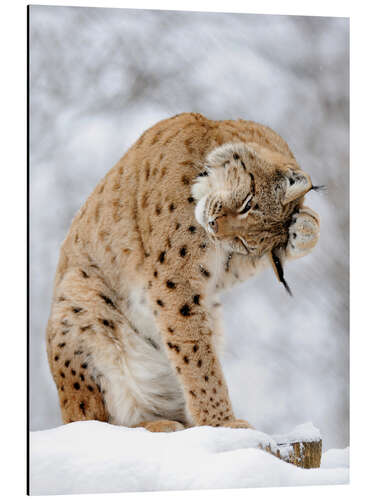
{"points": [[134, 332]]}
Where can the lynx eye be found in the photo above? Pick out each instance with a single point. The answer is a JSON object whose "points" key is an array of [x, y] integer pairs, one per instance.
{"points": [[246, 205]]}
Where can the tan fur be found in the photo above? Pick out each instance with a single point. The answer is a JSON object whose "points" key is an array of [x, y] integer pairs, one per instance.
{"points": [[162, 426], [134, 331]]}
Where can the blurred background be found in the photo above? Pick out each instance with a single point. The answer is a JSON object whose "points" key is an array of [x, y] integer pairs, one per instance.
{"points": [[100, 77]]}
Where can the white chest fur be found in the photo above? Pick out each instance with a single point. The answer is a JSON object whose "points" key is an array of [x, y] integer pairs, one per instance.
{"points": [[141, 384]]}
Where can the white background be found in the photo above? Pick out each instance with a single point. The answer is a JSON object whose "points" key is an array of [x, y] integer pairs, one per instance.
{"points": [[14, 224]]}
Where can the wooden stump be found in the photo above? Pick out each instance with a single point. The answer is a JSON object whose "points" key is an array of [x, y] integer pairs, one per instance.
{"points": [[307, 455], [302, 447]]}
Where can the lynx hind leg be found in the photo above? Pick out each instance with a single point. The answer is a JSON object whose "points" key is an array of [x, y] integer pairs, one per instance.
{"points": [[78, 386], [303, 233], [84, 315], [80, 397], [162, 426]]}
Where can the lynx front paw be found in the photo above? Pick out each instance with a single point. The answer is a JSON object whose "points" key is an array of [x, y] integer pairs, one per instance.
{"points": [[238, 424], [162, 426], [303, 233]]}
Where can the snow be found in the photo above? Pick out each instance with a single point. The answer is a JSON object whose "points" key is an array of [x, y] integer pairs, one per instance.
{"points": [[304, 432], [333, 459], [96, 457]]}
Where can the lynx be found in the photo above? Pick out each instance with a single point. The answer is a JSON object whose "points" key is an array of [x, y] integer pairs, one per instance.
{"points": [[194, 207]]}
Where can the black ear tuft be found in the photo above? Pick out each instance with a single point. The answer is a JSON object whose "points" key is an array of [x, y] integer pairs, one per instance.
{"points": [[319, 188], [278, 268]]}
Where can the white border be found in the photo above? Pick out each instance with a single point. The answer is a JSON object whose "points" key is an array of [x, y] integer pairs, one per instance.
{"points": [[13, 182], [286, 7]]}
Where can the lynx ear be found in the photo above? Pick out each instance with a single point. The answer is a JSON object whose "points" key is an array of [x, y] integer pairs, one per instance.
{"points": [[297, 184]]}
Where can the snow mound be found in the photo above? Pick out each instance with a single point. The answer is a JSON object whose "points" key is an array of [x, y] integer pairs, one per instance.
{"points": [[334, 459], [96, 457], [304, 432]]}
